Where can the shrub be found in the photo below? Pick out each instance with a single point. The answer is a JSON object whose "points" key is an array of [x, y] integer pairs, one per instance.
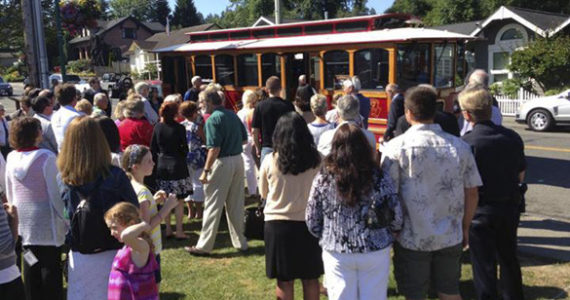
{"points": [[13, 77], [79, 66], [546, 60]]}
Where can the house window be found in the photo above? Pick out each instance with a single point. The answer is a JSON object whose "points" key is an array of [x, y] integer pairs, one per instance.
{"points": [[129, 33], [511, 34], [500, 60], [500, 77], [509, 38]]}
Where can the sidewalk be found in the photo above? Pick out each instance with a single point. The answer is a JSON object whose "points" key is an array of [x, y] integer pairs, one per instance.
{"points": [[543, 237]]}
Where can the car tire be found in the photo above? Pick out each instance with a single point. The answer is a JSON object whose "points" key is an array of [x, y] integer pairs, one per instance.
{"points": [[540, 120]]}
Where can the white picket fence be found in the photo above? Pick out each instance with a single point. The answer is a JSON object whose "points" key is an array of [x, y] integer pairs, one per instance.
{"points": [[509, 106]]}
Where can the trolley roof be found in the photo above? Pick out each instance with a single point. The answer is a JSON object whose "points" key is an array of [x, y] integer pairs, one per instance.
{"points": [[375, 36]]}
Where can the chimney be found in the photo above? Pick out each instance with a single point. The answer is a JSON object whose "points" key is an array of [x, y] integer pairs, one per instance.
{"points": [[277, 12]]}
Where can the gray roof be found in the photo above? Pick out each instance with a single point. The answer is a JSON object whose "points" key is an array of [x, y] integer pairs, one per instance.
{"points": [[176, 37], [463, 28], [105, 25], [155, 26], [542, 19]]}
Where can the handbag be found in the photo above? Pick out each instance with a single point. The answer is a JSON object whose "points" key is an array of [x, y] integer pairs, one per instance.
{"points": [[255, 222], [379, 216]]}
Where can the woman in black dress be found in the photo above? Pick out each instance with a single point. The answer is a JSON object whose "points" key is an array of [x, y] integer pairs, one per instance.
{"points": [[169, 149]]}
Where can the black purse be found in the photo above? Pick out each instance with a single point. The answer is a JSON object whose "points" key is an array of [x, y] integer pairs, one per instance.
{"points": [[379, 216], [255, 222]]}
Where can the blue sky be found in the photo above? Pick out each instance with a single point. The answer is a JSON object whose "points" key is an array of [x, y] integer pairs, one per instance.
{"points": [[216, 6]]}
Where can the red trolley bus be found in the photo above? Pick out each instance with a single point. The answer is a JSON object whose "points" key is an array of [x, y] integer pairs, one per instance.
{"points": [[379, 49]]}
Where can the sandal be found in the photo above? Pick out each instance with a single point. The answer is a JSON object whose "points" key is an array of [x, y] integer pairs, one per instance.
{"points": [[195, 251]]}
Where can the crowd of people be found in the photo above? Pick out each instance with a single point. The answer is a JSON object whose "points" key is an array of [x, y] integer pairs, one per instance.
{"points": [[99, 188]]}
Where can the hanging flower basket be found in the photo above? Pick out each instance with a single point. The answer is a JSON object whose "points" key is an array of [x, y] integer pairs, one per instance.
{"points": [[77, 14]]}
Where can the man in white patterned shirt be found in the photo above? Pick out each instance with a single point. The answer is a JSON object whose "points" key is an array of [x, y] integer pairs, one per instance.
{"points": [[437, 179]]}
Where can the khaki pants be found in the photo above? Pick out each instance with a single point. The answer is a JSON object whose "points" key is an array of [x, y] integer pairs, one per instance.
{"points": [[225, 187]]}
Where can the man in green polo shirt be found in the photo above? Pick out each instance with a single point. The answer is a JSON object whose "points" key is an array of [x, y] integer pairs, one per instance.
{"points": [[223, 176]]}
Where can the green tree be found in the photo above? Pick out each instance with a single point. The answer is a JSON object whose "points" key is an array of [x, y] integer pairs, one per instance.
{"points": [[159, 11], [11, 25], [546, 60], [242, 13], [437, 12], [136, 8], [185, 14], [449, 12]]}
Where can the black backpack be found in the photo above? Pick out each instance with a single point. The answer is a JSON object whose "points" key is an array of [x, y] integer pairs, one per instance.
{"points": [[89, 232]]}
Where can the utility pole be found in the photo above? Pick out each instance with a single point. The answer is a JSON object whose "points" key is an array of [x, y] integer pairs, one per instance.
{"points": [[41, 45], [29, 48], [60, 41], [277, 12], [35, 48]]}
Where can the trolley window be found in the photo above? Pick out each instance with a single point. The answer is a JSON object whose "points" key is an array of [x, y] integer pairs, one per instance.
{"points": [[372, 68], [336, 68], [247, 70], [225, 69], [240, 35], [204, 67], [414, 64], [318, 29], [352, 26], [270, 66], [444, 72], [460, 66], [264, 33], [289, 31]]}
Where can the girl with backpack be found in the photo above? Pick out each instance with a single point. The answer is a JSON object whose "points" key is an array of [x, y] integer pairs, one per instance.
{"points": [[90, 186], [132, 275], [137, 162]]}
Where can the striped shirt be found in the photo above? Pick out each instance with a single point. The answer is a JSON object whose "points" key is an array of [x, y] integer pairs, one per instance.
{"points": [[144, 194]]}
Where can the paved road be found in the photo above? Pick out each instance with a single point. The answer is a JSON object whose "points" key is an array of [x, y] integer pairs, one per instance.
{"points": [[548, 157], [548, 173]]}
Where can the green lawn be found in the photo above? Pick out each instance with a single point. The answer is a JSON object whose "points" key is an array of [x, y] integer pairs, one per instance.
{"points": [[228, 274]]}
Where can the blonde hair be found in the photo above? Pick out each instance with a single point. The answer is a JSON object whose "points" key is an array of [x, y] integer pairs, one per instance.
{"points": [[319, 105], [125, 213], [477, 102], [133, 108], [84, 106], [118, 112], [173, 98], [85, 153], [248, 99], [134, 96]]}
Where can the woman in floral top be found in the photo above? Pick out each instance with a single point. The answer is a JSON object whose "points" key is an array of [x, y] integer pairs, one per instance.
{"points": [[196, 157], [356, 245]]}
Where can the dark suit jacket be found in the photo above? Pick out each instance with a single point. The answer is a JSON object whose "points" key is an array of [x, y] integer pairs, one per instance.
{"points": [[396, 111], [447, 121]]}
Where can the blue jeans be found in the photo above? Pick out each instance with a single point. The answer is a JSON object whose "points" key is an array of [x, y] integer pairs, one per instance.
{"points": [[264, 152]]}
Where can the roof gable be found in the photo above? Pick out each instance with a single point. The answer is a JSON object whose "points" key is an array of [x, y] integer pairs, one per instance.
{"points": [[268, 21], [543, 23]]}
